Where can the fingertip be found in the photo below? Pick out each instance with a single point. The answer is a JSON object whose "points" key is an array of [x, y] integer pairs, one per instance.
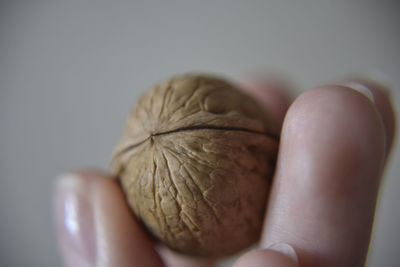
{"points": [[335, 114], [382, 100], [79, 180], [285, 249], [95, 225], [265, 257], [339, 128], [74, 220], [175, 259]]}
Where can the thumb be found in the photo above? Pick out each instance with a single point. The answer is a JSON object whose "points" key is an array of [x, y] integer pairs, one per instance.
{"points": [[95, 226], [279, 255]]}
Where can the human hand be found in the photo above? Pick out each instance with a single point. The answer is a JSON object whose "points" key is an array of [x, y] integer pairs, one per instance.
{"points": [[333, 148]]}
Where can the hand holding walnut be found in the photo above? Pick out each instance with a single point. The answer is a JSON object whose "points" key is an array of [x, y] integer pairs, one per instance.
{"points": [[321, 203]]}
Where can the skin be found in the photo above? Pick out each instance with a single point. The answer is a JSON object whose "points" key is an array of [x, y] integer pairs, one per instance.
{"points": [[333, 149]]}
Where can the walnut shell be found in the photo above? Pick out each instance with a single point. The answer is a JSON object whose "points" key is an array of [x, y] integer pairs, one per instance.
{"points": [[195, 162]]}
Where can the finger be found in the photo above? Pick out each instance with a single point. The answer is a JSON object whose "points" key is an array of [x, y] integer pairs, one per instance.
{"points": [[175, 259], [262, 258], [382, 101], [324, 191], [95, 226], [272, 94]]}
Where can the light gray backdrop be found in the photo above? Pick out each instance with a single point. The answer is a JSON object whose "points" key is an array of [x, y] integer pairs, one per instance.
{"points": [[71, 70]]}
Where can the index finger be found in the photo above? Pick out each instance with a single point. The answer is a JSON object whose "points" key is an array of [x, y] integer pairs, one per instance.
{"points": [[329, 166]]}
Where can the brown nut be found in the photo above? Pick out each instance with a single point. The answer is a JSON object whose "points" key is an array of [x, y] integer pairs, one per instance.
{"points": [[195, 162]]}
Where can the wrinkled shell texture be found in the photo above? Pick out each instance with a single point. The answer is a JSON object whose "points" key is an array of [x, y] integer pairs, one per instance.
{"points": [[195, 163]]}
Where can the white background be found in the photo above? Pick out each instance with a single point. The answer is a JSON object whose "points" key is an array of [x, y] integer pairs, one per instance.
{"points": [[70, 72]]}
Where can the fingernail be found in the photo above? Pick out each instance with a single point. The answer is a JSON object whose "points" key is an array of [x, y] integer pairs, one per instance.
{"points": [[285, 249], [74, 221], [361, 88]]}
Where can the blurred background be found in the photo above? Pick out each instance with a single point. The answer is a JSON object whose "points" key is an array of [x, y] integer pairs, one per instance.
{"points": [[70, 72]]}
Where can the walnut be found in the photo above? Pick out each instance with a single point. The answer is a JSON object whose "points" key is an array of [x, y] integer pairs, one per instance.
{"points": [[195, 162]]}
